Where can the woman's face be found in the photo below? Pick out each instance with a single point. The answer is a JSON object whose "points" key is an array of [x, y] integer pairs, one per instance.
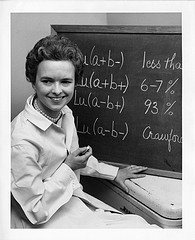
{"points": [[54, 85]]}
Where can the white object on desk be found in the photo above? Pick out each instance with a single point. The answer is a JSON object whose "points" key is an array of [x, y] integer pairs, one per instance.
{"points": [[162, 195], [157, 199]]}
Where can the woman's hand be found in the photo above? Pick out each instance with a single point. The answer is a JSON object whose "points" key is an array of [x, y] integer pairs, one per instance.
{"points": [[128, 173], [77, 159]]}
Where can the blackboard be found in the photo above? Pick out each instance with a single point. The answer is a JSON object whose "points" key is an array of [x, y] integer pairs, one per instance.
{"points": [[128, 105]]}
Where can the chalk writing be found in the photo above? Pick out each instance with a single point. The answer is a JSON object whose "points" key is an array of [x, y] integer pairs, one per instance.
{"points": [[169, 107], [171, 64], [171, 84], [96, 128], [153, 106], [94, 82], [158, 85], [92, 101], [94, 59], [169, 137], [168, 63], [145, 87], [153, 64], [108, 83]]}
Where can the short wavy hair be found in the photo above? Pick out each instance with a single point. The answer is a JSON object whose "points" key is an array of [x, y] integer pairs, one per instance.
{"points": [[57, 48]]}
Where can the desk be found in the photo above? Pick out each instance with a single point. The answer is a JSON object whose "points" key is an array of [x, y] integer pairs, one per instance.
{"points": [[157, 199]]}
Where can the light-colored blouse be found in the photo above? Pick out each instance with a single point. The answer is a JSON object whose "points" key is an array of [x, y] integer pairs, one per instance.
{"points": [[40, 182]]}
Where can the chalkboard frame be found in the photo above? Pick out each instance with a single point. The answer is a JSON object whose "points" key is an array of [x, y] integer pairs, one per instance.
{"points": [[56, 29], [125, 29]]}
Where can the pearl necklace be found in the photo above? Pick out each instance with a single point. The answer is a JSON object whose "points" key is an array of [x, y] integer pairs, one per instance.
{"points": [[54, 120]]}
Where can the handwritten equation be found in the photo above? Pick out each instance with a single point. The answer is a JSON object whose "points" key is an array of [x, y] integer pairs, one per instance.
{"points": [[110, 92], [97, 128], [107, 83], [95, 59], [92, 101], [113, 90]]}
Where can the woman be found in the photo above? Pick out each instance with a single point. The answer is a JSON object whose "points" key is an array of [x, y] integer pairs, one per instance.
{"points": [[46, 158]]}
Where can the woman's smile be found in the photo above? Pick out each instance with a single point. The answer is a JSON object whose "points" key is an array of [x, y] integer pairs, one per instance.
{"points": [[54, 86], [56, 99]]}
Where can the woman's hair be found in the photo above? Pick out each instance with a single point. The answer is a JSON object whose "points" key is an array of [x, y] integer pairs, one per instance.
{"points": [[57, 48]]}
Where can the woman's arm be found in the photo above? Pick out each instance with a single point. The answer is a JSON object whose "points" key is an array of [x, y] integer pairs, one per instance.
{"points": [[39, 198], [95, 168]]}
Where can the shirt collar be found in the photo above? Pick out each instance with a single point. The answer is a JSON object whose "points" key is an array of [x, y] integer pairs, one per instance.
{"points": [[38, 119]]}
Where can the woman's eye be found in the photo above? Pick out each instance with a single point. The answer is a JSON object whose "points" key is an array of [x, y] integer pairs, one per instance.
{"points": [[66, 82], [46, 82]]}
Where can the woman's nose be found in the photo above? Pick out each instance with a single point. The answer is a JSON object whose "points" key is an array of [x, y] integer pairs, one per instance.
{"points": [[56, 89]]}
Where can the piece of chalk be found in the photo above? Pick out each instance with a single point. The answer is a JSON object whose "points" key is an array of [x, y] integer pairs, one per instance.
{"points": [[86, 150]]}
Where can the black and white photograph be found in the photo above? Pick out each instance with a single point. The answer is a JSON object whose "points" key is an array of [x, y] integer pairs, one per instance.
{"points": [[97, 122]]}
